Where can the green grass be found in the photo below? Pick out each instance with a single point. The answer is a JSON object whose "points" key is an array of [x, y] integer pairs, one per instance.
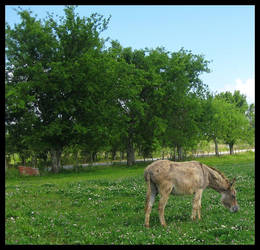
{"points": [[105, 205]]}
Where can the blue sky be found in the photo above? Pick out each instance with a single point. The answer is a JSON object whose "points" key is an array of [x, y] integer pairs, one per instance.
{"points": [[223, 34]]}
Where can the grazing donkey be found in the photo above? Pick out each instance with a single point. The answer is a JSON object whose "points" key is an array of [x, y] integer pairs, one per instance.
{"points": [[180, 178]]}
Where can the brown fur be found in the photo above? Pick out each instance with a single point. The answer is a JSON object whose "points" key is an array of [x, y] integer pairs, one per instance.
{"points": [[180, 178]]}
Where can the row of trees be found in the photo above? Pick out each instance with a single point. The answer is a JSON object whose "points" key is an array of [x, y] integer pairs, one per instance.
{"points": [[64, 87]]}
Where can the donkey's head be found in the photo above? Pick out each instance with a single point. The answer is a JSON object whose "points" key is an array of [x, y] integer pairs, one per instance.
{"points": [[228, 197]]}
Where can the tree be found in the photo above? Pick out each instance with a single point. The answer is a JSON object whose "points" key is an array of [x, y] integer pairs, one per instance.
{"points": [[133, 93], [251, 115], [214, 122], [237, 126], [234, 113], [130, 81], [181, 99], [65, 89], [54, 77], [154, 64], [18, 118], [238, 99], [225, 122]]}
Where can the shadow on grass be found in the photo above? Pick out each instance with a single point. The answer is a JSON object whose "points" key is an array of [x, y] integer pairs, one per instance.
{"points": [[179, 217]]}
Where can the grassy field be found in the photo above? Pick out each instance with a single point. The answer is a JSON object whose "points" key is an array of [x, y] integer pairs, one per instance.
{"points": [[105, 205]]}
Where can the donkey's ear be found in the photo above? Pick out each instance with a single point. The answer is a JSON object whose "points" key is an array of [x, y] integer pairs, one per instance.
{"points": [[232, 183]]}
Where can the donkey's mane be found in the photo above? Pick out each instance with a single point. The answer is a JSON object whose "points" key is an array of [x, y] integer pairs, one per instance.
{"points": [[220, 173]]}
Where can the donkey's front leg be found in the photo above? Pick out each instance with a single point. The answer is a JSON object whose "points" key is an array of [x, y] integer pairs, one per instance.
{"points": [[196, 206]]}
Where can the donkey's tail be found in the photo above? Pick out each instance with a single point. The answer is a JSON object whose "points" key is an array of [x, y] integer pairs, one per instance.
{"points": [[148, 193]]}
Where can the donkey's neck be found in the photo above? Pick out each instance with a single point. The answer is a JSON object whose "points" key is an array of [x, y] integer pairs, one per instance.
{"points": [[217, 180]]}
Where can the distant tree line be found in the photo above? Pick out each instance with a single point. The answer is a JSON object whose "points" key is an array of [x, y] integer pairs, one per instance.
{"points": [[65, 89]]}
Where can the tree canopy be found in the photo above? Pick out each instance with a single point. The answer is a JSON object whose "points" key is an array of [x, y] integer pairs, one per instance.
{"points": [[64, 88]]}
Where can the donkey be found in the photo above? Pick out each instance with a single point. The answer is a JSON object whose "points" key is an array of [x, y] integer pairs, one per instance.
{"points": [[179, 178]]}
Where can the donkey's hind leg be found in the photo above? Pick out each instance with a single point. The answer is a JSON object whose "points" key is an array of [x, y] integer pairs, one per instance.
{"points": [[149, 203]]}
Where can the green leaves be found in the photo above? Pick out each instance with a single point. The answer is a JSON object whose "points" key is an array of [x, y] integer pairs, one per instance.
{"points": [[63, 87], [225, 120], [239, 100], [54, 73]]}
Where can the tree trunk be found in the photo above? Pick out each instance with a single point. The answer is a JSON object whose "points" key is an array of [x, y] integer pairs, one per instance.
{"points": [[180, 153], [121, 155], [113, 154], [174, 153], [55, 157], [185, 154], [34, 159], [216, 147], [231, 148], [130, 151], [93, 156], [22, 156]]}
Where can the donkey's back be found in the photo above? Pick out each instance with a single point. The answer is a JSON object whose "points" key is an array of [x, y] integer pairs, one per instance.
{"points": [[181, 177]]}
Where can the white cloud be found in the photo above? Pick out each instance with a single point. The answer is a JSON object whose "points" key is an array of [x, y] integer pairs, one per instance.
{"points": [[245, 87]]}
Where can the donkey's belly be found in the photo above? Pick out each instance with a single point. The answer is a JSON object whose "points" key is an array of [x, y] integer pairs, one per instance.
{"points": [[185, 182], [182, 190]]}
